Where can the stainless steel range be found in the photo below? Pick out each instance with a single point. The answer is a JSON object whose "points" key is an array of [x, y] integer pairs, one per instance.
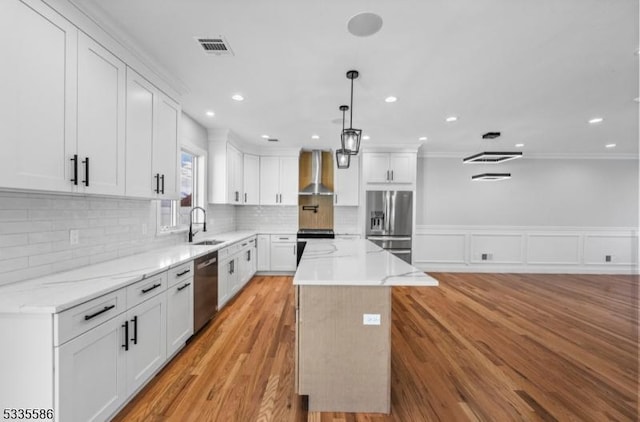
{"points": [[389, 216]]}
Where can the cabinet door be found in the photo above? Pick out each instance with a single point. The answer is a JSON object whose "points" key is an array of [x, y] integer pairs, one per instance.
{"points": [[283, 256], [224, 282], [251, 179], [91, 374], [179, 315], [269, 180], [147, 341], [38, 101], [140, 131], [264, 252], [376, 168], [347, 184], [289, 180], [101, 119], [236, 274], [166, 147], [234, 176], [402, 167]]}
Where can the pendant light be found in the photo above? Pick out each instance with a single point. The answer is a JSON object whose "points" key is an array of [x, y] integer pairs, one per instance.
{"points": [[351, 136], [343, 158]]}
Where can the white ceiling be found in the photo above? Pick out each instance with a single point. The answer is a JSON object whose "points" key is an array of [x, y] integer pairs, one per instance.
{"points": [[536, 71]]}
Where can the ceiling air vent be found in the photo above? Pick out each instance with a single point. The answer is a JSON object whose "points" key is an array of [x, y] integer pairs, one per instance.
{"points": [[272, 140], [491, 135], [215, 45]]}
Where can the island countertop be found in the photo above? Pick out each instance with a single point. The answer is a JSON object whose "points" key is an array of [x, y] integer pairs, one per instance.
{"points": [[355, 262]]}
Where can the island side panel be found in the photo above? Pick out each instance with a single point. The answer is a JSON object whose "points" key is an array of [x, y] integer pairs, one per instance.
{"points": [[344, 365]]}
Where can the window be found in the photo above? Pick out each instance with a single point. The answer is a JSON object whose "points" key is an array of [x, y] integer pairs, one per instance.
{"points": [[174, 214]]}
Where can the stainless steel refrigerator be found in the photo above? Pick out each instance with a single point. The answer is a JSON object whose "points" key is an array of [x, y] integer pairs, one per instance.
{"points": [[389, 222]]}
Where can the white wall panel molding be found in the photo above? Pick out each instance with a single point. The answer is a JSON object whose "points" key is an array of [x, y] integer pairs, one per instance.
{"points": [[527, 249]]}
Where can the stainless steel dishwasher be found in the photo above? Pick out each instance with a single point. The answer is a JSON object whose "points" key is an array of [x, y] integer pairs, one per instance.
{"points": [[205, 290]]}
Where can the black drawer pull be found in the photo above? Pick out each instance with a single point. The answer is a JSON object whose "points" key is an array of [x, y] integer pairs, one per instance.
{"points": [[183, 273], [102, 311], [155, 286], [183, 287], [126, 335]]}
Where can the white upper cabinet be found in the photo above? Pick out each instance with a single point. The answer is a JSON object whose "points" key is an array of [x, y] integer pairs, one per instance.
{"points": [[152, 144], [278, 180], [38, 102], [389, 168], [226, 172], [347, 183], [235, 174], [101, 119], [251, 179]]}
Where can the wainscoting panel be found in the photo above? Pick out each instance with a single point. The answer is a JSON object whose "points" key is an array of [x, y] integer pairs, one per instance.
{"points": [[443, 248], [553, 249], [524, 249]]}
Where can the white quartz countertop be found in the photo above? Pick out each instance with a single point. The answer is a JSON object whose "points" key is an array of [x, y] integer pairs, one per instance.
{"points": [[60, 291], [355, 262]]}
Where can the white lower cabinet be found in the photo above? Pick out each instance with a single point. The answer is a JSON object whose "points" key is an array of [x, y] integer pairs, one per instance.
{"points": [[179, 315], [237, 266], [91, 373], [264, 252], [283, 252], [227, 277]]}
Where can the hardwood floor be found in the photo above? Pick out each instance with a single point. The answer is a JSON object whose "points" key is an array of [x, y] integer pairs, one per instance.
{"points": [[488, 347]]}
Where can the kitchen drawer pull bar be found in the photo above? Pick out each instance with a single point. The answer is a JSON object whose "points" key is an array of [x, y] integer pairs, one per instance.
{"points": [[183, 287], [102, 311], [135, 330], [126, 335], [157, 177], [162, 180], [155, 286], [183, 273]]}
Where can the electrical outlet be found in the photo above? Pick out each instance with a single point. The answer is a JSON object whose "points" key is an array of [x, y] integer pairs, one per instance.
{"points": [[370, 319], [485, 256], [74, 237], [608, 258]]}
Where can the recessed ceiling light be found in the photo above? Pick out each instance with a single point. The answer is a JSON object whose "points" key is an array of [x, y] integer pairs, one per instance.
{"points": [[451, 119], [210, 113], [637, 99], [596, 120], [519, 145], [364, 24], [391, 99], [422, 138], [265, 136], [610, 146], [237, 97], [366, 137], [315, 137]]}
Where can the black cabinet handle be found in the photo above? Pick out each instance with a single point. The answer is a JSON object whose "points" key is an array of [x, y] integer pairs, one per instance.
{"points": [[249, 255], [183, 287], [183, 273], [155, 286], [237, 196], [392, 175], [75, 169], [162, 179], [157, 177], [245, 197], [86, 171], [135, 330], [102, 311], [126, 335]]}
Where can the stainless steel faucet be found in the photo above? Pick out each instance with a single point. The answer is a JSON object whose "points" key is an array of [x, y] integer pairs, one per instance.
{"points": [[204, 225]]}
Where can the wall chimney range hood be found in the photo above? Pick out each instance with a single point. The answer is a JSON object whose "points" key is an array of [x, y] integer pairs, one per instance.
{"points": [[316, 187]]}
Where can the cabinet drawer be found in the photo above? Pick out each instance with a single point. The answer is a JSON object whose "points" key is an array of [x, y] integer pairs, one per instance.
{"points": [[146, 289], [79, 319], [183, 272], [283, 238]]}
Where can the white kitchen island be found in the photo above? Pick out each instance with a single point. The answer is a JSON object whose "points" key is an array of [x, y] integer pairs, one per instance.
{"points": [[343, 323]]}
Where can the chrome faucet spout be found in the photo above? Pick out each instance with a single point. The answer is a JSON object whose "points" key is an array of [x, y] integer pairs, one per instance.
{"points": [[191, 223]]}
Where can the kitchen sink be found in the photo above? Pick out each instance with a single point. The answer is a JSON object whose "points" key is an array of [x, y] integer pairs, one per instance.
{"points": [[209, 242]]}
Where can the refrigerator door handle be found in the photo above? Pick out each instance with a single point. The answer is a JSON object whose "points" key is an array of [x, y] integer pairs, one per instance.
{"points": [[388, 238]]}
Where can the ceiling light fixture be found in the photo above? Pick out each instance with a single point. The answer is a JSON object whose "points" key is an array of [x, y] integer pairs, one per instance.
{"points": [[343, 158], [210, 113], [492, 157], [610, 146], [364, 24], [596, 120], [315, 137], [366, 137], [265, 136], [451, 119], [237, 97], [390, 99], [519, 145], [422, 138], [491, 177], [351, 137]]}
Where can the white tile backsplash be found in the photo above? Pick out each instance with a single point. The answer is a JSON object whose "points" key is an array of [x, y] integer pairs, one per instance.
{"points": [[268, 218], [221, 218], [345, 220], [34, 232]]}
